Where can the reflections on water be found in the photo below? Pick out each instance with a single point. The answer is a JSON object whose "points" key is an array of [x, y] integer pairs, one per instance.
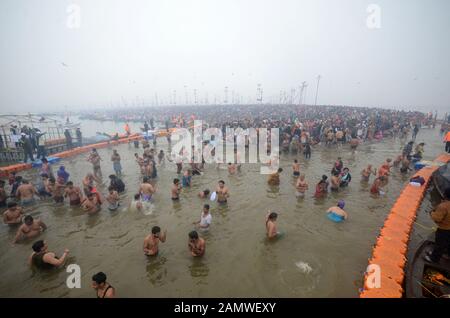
{"points": [[315, 258]]}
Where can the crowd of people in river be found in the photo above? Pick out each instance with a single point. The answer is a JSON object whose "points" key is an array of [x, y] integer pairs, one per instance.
{"points": [[301, 129]]}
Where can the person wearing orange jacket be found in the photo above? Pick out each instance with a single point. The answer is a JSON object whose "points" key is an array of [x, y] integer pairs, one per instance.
{"points": [[127, 129], [447, 141]]}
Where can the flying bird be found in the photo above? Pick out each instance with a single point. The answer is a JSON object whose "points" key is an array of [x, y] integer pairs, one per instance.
{"points": [[64, 64]]}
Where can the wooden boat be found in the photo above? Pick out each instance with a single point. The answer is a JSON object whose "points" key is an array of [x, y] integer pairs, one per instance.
{"points": [[424, 279]]}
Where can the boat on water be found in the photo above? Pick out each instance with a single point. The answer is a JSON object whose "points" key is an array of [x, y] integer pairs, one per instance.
{"points": [[425, 279], [99, 137]]}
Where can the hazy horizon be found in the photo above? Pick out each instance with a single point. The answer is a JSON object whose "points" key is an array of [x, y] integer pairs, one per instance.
{"points": [[124, 53]]}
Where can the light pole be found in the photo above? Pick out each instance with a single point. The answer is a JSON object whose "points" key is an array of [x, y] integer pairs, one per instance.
{"points": [[317, 89], [302, 90]]}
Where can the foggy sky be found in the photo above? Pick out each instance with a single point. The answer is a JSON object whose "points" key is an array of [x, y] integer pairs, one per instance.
{"points": [[130, 50]]}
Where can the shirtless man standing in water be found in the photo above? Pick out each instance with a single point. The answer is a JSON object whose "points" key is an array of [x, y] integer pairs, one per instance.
{"points": [[74, 194], [113, 199], [301, 186], [196, 244], [222, 192], [95, 159], [25, 192], [146, 190], [57, 190], [231, 168], [365, 174], [271, 225], [30, 228], [13, 215], [274, 178], [335, 181], [91, 204], [151, 241], [175, 190]]}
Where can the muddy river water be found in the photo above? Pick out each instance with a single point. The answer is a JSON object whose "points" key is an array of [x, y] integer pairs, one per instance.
{"points": [[315, 258]]}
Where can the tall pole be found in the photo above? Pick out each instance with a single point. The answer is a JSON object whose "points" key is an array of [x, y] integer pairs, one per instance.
{"points": [[225, 99], [317, 90], [302, 91], [305, 94]]}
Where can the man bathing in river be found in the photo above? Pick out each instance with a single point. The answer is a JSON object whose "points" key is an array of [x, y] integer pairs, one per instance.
{"points": [[151, 242], [222, 192], [95, 159], [25, 192], [44, 187], [146, 190], [29, 229], [301, 186], [274, 178], [271, 225], [337, 212], [232, 168], [115, 158], [335, 181], [196, 244], [175, 190], [91, 204], [57, 190], [74, 194], [13, 215], [43, 259], [113, 199], [365, 173]]}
